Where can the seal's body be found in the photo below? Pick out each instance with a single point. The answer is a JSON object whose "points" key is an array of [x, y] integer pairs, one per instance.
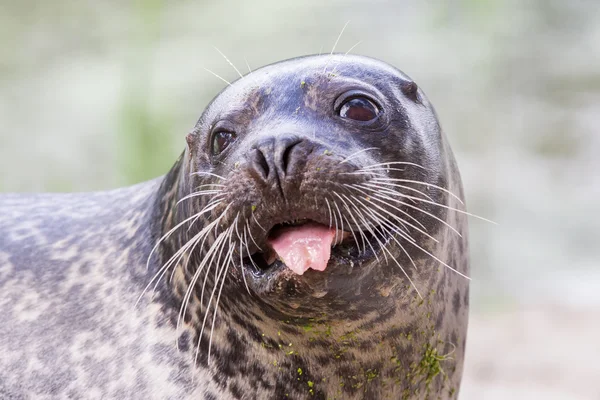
{"points": [[309, 243]]}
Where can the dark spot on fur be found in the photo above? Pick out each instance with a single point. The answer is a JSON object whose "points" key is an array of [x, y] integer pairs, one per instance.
{"points": [[453, 338], [456, 302], [209, 396], [183, 342], [439, 320], [85, 268], [236, 390]]}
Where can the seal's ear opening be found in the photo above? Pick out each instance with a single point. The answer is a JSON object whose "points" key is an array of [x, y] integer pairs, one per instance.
{"points": [[190, 138], [411, 90]]}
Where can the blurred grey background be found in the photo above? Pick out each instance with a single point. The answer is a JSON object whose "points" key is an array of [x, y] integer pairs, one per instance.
{"points": [[96, 95]]}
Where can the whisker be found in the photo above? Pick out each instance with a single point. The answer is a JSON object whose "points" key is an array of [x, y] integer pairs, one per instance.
{"points": [[335, 221], [373, 192], [376, 183], [258, 223], [393, 163], [368, 227], [251, 236], [209, 207], [223, 236], [390, 229], [353, 155], [403, 271], [216, 307], [160, 271], [447, 207], [381, 217], [330, 219], [378, 197], [248, 249], [334, 46], [209, 184], [203, 193], [208, 174], [412, 242], [358, 225], [341, 221], [344, 56], [418, 183], [220, 77], [230, 63], [207, 259], [242, 257]]}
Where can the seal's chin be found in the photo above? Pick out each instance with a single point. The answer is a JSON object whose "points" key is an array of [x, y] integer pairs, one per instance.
{"points": [[305, 247]]}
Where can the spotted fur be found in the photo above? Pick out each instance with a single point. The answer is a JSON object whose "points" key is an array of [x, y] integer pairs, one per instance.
{"points": [[72, 267]]}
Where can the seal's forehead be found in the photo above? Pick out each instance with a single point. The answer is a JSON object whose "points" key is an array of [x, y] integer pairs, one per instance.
{"points": [[334, 64], [310, 68]]}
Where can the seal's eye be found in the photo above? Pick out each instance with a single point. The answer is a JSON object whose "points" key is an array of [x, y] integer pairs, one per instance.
{"points": [[359, 109], [221, 140]]}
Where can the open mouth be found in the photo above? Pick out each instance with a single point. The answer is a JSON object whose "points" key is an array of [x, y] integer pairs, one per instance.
{"points": [[301, 245]]}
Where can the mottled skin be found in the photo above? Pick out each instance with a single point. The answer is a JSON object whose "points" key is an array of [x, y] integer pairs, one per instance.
{"points": [[73, 265]]}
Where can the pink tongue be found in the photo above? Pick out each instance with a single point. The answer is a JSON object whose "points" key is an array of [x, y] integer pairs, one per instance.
{"points": [[303, 247]]}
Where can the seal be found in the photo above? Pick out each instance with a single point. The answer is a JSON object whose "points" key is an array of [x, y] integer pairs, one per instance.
{"points": [[310, 242]]}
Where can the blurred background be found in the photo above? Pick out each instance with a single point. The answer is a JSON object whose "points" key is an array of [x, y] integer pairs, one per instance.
{"points": [[100, 94]]}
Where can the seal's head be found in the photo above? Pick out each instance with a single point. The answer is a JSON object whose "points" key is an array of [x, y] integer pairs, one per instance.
{"points": [[315, 211], [315, 182]]}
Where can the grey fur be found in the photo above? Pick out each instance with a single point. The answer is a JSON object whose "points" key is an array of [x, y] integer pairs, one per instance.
{"points": [[73, 265]]}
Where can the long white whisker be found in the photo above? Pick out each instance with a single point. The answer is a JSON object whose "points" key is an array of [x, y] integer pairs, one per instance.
{"points": [[418, 183], [344, 56], [160, 272], [335, 45], [367, 226], [370, 195], [242, 258], [358, 225], [223, 236], [400, 266], [258, 223], [381, 217], [393, 163], [374, 182], [207, 258], [247, 248], [230, 63], [448, 207], [330, 219], [218, 76], [209, 207], [208, 174], [353, 155], [385, 224], [217, 309], [377, 196], [341, 220], [336, 223], [412, 242], [403, 271], [203, 193], [252, 237]]}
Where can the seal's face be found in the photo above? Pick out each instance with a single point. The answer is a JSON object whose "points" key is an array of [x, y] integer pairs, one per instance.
{"points": [[318, 175]]}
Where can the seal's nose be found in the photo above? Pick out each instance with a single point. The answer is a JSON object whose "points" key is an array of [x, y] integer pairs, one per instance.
{"points": [[276, 158]]}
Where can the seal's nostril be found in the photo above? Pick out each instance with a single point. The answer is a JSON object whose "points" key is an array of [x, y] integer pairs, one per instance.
{"points": [[287, 157], [263, 163], [260, 163]]}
